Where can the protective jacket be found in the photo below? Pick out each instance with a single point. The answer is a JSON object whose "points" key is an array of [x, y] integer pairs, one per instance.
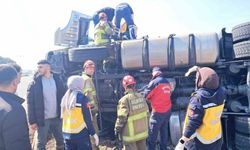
{"points": [[132, 117], [203, 115]]}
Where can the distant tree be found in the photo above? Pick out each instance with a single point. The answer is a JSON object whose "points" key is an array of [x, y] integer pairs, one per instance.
{"points": [[5, 60]]}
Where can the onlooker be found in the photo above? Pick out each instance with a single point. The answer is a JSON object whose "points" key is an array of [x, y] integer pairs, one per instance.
{"points": [[75, 111], [132, 117], [14, 132], [44, 98], [90, 92], [158, 93], [103, 31], [202, 126], [108, 11], [19, 71], [125, 11]]}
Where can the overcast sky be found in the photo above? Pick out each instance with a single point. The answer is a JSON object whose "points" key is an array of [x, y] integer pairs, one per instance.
{"points": [[27, 26]]}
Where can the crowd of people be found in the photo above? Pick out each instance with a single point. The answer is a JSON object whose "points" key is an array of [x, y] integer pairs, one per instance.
{"points": [[69, 114]]}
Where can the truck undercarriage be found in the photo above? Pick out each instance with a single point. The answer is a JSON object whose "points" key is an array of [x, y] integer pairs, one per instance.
{"points": [[227, 53]]}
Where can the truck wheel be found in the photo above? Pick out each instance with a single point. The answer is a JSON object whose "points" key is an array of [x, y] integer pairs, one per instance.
{"points": [[242, 49], [80, 54], [241, 32], [242, 142], [176, 125], [242, 125]]}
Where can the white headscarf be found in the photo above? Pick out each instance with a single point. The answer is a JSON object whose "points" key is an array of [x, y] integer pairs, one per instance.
{"points": [[75, 85]]}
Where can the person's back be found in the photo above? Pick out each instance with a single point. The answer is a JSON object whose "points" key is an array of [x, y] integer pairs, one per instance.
{"points": [[132, 117], [158, 93], [14, 134]]}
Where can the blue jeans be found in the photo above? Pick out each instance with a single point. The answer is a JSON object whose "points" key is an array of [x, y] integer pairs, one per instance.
{"points": [[125, 13], [158, 123], [55, 127], [78, 144]]}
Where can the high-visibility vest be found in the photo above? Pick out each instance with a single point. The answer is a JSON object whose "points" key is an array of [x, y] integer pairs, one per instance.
{"points": [[210, 129], [101, 37], [73, 120], [136, 127], [89, 87]]}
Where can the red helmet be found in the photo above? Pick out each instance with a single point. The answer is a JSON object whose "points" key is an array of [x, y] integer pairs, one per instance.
{"points": [[102, 15], [128, 80], [88, 63]]}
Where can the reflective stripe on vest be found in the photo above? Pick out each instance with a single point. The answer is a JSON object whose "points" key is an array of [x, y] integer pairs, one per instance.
{"points": [[89, 88], [73, 120], [132, 136], [210, 129]]}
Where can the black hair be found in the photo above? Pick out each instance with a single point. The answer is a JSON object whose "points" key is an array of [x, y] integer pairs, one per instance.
{"points": [[7, 74], [17, 67], [42, 62]]}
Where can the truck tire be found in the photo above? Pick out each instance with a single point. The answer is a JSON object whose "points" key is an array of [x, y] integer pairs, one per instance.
{"points": [[242, 142], [242, 49], [81, 54], [176, 125], [242, 125], [241, 32]]}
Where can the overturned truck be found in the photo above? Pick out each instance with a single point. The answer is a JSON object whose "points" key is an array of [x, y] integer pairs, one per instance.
{"points": [[227, 53]]}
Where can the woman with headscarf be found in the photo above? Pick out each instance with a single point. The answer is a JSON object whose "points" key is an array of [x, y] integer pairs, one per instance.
{"points": [[77, 125]]}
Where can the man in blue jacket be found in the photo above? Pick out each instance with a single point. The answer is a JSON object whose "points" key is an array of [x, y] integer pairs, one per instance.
{"points": [[14, 134]]}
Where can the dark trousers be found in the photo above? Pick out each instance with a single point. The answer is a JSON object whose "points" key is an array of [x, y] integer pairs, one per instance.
{"points": [[195, 144], [78, 144], [158, 123], [55, 126], [126, 14]]}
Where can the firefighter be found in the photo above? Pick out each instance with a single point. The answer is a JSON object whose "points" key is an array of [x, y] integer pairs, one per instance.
{"points": [[125, 11], [132, 117], [90, 92], [110, 12], [158, 93], [103, 31], [202, 126], [77, 125]]}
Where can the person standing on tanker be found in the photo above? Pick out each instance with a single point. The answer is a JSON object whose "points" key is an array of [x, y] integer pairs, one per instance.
{"points": [[125, 11], [75, 110], [202, 127], [103, 31], [158, 92], [90, 92], [132, 117]]}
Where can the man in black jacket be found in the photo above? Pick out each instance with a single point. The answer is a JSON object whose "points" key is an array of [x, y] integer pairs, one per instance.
{"points": [[14, 133], [44, 98]]}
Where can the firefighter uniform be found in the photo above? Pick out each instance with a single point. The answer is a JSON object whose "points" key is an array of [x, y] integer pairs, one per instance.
{"points": [[103, 33], [90, 92], [132, 120], [202, 126]]}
